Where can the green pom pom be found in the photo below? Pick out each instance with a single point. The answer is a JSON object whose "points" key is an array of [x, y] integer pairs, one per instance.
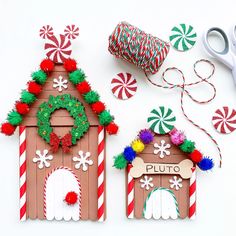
{"points": [[120, 162], [187, 146], [105, 118], [39, 76], [91, 97], [14, 118], [27, 97], [77, 76]]}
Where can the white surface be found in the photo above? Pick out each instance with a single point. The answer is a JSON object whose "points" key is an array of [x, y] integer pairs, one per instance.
{"points": [[21, 51]]}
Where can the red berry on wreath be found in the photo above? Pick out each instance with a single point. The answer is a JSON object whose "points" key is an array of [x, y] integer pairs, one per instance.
{"points": [[7, 129], [34, 88], [47, 65], [70, 65], [22, 108], [71, 198], [196, 156], [83, 87], [112, 128], [98, 107]]}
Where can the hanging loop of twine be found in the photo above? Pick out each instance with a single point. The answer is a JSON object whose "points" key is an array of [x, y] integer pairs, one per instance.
{"points": [[183, 86]]}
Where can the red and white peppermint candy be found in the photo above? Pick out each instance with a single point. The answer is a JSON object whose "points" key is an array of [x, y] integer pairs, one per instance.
{"points": [[58, 48], [46, 32], [71, 31], [224, 120], [124, 86]]}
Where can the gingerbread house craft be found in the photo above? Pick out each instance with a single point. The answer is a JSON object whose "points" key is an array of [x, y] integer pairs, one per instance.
{"points": [[62, 125], [161, 165]]}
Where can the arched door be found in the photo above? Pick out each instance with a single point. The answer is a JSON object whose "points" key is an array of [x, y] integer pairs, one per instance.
{"points": [[58, 184]]}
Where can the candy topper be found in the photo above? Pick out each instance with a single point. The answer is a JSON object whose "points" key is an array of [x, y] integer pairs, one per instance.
{"points": [[58, 48]]}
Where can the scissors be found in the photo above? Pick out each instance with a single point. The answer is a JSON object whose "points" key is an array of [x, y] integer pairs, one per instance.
{"points": [[228, 55]]}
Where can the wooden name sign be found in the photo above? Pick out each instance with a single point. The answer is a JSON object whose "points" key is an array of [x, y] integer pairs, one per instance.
{"points": [[184, 168]]}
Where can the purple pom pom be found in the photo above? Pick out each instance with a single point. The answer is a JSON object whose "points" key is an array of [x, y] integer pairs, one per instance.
{"points": [[177, 137], [146, 136]]}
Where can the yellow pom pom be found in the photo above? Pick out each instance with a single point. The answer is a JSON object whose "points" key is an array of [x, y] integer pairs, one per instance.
{"points": [[137, 146]]}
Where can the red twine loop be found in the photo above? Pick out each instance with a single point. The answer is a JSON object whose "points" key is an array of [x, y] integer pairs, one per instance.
{"points": [[183, 87]]}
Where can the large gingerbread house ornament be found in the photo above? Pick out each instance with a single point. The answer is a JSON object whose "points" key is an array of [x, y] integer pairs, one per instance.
{"points": [[62, 125], [161, 165]]}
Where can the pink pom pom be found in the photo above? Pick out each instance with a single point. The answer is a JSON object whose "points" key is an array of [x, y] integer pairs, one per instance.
{"points": [[177, 137]]}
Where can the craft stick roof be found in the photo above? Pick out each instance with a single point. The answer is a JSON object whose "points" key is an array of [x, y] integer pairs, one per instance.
{"points": [[161, 122], [58, 51]]}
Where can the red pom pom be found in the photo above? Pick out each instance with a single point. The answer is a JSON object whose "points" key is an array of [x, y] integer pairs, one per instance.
{"points": [[34, 88], [98, 107], [83, 87], [71, 198], [47, 65], [22, 108], [196, 156], [112, 128], [70, 65], [8, 129]]}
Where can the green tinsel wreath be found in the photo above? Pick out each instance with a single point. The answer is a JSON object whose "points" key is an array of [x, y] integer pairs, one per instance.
{"points": [[73, 106]]}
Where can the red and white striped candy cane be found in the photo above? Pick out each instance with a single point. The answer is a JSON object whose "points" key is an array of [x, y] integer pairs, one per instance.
{"points": [[192, 195], [101, 173], [22, 133], [130, 194]]}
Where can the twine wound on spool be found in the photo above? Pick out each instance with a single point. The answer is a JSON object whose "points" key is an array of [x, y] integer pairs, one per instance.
{"points": [[137, 47]]}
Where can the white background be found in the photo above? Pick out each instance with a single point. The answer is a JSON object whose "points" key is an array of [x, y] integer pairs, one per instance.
{"points": [[21, 50]]}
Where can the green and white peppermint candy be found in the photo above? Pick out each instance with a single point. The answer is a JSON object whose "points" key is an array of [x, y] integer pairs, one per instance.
{"points": [[183, 37], [161, 120]]}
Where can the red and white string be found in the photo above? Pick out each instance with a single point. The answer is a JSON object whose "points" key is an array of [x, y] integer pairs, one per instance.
{"points": [[183, 86]]}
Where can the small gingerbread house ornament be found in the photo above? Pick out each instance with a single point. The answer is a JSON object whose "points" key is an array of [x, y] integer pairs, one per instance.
{"points": [[62, 125], [161, 170]]}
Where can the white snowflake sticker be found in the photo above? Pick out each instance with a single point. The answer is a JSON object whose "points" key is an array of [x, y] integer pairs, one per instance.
{"points": [[176, 183], [60, 83], [83, 160], [43, 158], [146, 182], [162, 149]]}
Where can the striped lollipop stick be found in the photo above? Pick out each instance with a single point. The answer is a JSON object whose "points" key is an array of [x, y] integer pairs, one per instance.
{"points": [[101, 174], [130, 194], [192, 195], [22, 133]]}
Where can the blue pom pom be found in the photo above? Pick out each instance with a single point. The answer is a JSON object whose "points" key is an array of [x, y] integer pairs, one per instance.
{"points": [[129, 154], [206, 164]]}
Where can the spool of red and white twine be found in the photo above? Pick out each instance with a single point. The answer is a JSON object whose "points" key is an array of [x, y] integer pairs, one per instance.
{"points": [[22, 134], [101, 174], [135, 46], [183, 87]]}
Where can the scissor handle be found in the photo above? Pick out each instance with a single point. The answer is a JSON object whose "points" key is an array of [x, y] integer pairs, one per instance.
{"points": [[233, 36], [223, 56]]}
